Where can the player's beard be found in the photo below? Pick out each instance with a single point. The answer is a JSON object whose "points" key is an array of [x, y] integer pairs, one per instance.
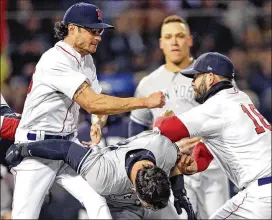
{"points": [[201, 91]]}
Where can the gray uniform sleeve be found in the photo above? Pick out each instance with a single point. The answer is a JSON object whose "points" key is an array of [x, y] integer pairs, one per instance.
{"points": [[142, 116]]}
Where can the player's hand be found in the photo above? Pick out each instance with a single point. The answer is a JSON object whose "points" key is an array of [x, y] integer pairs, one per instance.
{"points": [[181, 201], [155, 100], [184, 203], [186, 145], [186, 164], [168, 113], [95, 134]]}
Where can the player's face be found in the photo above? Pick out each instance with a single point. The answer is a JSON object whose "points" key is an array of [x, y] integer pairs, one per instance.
{"points": [[200, 86], [175, 42], [86, 40]]}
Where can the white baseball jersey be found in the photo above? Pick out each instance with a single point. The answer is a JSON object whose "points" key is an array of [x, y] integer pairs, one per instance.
{"points": [[178, 92], [49, 106], [237, 135]]}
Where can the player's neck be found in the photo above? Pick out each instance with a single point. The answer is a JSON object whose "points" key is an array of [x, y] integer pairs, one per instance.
{"points": [[72, 44], [171, 67]]}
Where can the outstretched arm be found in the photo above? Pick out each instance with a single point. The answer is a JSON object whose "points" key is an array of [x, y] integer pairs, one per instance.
{"points": [[101, 104]]}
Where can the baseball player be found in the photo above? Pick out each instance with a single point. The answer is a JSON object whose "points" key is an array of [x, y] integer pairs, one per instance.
{"points": [[235, 133], [9, 121], [132, 175], [175, 43], [63, 81]]}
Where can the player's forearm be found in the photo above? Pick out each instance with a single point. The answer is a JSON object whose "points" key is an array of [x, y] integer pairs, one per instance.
{"points": [[100, 104], [100, 120], [109, 105], [172, 128]]}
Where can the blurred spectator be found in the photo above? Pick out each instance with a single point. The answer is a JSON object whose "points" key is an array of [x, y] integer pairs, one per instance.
{"points": [[239, 15], [18, 87]]}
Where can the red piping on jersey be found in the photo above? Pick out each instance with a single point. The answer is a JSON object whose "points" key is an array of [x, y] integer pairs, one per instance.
{"points": [[172, 127], [237, 207], [69, 53], [66, 116]]}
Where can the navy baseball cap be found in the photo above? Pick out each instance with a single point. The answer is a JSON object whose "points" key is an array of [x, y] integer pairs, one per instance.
{"points": [[211, 62], [86, 15]]}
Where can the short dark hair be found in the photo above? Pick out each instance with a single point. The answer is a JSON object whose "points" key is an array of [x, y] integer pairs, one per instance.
{"points": [[175, 18], [60, 30], [224, 78], [153, 186]]}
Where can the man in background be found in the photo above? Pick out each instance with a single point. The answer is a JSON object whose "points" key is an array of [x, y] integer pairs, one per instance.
{"points": [[176, 42]]}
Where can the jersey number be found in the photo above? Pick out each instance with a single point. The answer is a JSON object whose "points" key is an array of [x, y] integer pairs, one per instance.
{"points": [[258, 128]]}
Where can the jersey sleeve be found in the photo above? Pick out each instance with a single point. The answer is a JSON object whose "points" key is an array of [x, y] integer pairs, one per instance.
{"points": [[92, 75], [142, 116], [96, 86], [203, 120], [63, 77]]}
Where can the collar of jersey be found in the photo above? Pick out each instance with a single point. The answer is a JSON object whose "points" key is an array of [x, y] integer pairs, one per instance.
{"points": [[217, 88], [70, 50]]}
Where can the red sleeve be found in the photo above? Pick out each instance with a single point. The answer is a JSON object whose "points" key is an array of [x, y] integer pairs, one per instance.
{"points": [[172, 127], [202, 156], [9, 127]]}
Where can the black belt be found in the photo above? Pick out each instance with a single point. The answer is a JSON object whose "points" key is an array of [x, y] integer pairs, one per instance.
{"points": [[33, 136], [264, 181]]}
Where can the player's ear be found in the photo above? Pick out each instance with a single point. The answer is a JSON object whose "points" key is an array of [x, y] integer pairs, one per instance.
{"points": [[161, 43], [211, 79], [71, 28], [191, 41]]}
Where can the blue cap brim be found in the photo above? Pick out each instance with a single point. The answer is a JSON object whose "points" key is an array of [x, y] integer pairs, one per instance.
{"points": [[99, 25], [189, 73]]}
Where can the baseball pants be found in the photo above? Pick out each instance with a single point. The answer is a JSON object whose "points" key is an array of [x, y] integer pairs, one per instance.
{"points": [[254, 202], [35, 176]]}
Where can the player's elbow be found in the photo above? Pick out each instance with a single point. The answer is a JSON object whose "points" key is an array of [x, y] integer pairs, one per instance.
{"points": [[92, 109]]}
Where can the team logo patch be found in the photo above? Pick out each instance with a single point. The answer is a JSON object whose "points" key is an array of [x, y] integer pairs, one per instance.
{"points": [[99, 14], [209, 68]]}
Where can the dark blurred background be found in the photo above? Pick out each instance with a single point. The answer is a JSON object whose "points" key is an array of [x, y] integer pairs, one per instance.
{"points": [[240, 29]]}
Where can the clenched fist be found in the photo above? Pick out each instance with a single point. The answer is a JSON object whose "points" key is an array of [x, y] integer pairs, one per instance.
{"points": [[95, 135], [186, 164], [155, 100]]}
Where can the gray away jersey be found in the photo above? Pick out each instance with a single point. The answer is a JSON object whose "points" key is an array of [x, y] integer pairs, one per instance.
{"points": [[178, 92], [105, 170]]}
